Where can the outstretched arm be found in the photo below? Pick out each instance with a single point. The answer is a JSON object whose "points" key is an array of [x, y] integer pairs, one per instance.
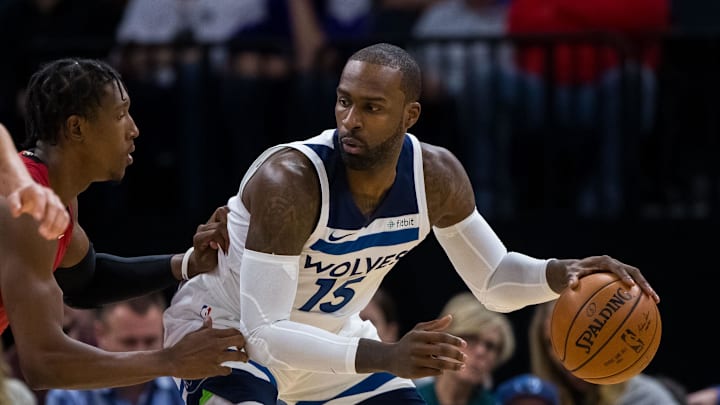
{"points": [[25, 196], [97, 279], [50, 359], [504, 281]]}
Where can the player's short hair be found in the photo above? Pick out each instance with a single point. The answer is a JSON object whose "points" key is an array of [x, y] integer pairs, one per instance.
{"points": [[397, 58], [61, 88]]}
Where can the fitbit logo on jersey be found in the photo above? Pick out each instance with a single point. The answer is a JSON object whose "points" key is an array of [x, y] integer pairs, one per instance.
{"points": [[616, 301], [361, 265], [401, 223]]}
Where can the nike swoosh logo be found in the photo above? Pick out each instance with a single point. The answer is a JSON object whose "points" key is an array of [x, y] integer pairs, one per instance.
{"points": [[332, 238]]}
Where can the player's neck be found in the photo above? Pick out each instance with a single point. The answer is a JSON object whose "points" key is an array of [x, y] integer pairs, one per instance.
{"points": [[67, 178], [368, 188]]}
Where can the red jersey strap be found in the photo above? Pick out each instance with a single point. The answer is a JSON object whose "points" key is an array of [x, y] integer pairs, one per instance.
{"points": [[39, 172]]}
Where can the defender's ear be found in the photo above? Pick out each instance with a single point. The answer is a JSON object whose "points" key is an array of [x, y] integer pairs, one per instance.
{"points": [[73, 127]]}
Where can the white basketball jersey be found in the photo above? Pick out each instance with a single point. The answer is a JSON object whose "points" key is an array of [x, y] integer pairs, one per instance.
{"points": [[341, 265], [348, 254]]}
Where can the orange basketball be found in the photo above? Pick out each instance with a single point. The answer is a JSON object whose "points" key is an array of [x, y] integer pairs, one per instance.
{"points": [[604, 332]]}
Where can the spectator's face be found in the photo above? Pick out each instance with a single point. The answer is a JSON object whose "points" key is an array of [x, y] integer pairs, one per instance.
{"points": [[125, 330], [482, 353], [371, 115]]}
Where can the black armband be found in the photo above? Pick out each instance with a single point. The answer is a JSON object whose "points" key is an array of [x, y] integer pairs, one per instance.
{"points": [[102, 278]]}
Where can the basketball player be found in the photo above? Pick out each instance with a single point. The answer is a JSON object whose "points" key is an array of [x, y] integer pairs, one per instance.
{"points": [[315, 227], [79, 122], [24, 196]]}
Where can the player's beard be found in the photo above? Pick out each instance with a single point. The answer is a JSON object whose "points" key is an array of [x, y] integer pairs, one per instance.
{"points": [[376, 156]]}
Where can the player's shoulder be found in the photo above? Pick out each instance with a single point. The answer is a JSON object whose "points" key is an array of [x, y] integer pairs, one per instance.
{"points": [[447, 187], [438, 160], [286, 172], [286, 164]]}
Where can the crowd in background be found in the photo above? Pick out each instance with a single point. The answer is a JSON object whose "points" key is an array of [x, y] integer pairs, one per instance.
{"points": [[554, 106]]}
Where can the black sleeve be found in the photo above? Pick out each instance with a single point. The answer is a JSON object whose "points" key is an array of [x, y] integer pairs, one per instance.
{"points": [[102, 278]]}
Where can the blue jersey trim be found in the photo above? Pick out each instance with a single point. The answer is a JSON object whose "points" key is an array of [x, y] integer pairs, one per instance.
{"points": [[371, 383], [364, 242]]}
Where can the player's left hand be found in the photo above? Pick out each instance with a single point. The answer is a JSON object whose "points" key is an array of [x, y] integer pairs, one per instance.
{"points": [[209, 237], [566, 273]]}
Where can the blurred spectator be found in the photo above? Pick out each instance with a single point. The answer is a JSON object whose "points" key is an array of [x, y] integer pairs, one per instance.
{"points": [[468, 67], [394, 19], [490, 343], [601, 83], [526, 389], [77, 323], [382, 312], [324, 33], [234, 55], [705, 396], [130, 325], [13, 390], [695, 15], [36, 31], [639, 390]]}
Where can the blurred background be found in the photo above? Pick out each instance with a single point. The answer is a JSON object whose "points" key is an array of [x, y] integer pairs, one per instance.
{"points": [[587, 127]]}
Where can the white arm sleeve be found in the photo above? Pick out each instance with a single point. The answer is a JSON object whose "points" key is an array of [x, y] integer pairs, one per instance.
{"points": [[268, 284], [503, 281]]}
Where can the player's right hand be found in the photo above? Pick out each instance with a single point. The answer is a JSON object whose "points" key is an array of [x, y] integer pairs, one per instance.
{"points": [[200, 353], [42, 204], [428, 351]]}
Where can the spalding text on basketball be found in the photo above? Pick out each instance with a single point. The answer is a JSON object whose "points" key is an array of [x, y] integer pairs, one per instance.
{"points": [[616, 301]]}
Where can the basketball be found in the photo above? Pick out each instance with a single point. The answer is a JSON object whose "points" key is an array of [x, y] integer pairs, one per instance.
{"points": [[604, 332]]}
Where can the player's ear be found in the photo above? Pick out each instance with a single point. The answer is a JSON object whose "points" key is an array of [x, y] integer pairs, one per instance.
{"points": [[73, 127], [412, 114]]}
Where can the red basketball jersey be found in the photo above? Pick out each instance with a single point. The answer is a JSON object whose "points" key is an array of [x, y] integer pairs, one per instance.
{"points": [[39, 172]]}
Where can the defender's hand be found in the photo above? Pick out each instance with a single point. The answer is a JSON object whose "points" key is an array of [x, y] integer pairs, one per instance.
{"points": [[209, 237], [201, 353]]}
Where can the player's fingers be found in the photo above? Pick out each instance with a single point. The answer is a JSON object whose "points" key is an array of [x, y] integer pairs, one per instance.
{"points": [[443, 363], [219, 215], [450, 353], [54, 222], [438, 324], [33, 201], [235, 355], [232, 338], [14, 204], [222, 370], [437, 338], [214, 235], [641, 281]]}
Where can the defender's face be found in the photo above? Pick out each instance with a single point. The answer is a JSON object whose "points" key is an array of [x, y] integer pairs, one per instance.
{"points": [[111, 136], [370, 114]]}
